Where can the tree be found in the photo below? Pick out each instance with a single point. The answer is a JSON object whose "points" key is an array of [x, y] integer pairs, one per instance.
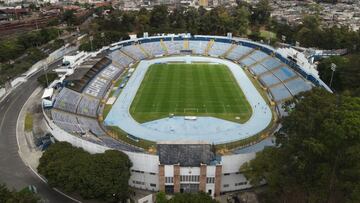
{"points": [[45, 79], [261, 12], [69, 17], [346, 76], [7, 196], [177, 19], [317, 154], [159, 18], [99, 176], [161, 197], [309, 32], [142, 20], [241, 20], [192, 19]]}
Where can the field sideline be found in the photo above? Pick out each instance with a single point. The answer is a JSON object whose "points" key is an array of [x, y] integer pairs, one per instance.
{"points": [[190, 89]]}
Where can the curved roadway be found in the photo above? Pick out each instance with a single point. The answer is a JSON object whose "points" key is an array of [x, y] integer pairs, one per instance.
{"points": [[13, 171]]}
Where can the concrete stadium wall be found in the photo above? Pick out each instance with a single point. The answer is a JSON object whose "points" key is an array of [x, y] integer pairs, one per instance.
{"points": [[144, 172], [145, 169]]}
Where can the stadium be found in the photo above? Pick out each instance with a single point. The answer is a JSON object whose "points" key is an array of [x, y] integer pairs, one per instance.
{"points": [[166, 100]]}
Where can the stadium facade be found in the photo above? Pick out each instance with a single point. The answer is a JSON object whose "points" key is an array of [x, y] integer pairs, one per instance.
{"points": [[73, 107]]}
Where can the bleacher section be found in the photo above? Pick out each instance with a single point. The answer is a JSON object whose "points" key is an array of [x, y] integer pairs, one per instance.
{"points": [[198, 47], [134, 51], [219, 49], [238, 52], [66, 121], [91, 124], [76, 124], [86, 72], [269, 80], [174, 47], [247, 61], [258, 55], [88, 106], [279, 92], [258, 69], [297, 85], [97, 86], [271, 63], [153, 48], [121, 58], [67, 100]]}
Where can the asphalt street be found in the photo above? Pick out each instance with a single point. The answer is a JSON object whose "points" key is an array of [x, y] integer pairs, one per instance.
{"points": [[13, 171]]}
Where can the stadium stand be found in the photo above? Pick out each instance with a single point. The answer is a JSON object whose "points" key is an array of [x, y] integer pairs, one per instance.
{"points": [[247, 61], [198, 47], [90, 125], [269, 80], [219, 49], [67, 100], [121, 58], [88, 106], [85, 72], [258, 69], [284, 73], [297, 85], [271, 63], [76, 124], [258, 55], [111, 72], [98, 85], [134, 51], [153, 48], [238, 52], [279, 92], [67, 122], [174, 47]]}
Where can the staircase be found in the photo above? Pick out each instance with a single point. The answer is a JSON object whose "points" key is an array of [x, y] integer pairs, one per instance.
{"points": [[229, 50], [246, 55], [164, 47], [186, 44], [144, 51], [128, 55], [209, 45]]}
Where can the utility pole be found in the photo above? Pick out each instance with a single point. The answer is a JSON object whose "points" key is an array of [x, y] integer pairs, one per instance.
{"points": [[103, 38], [91, 39], [333, 68], [45, 67]]}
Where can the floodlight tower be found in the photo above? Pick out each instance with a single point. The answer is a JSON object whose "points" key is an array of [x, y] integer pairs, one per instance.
{"points": [[333, 68]]}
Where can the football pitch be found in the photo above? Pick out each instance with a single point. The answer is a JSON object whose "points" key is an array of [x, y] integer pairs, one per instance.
{"points": [[197, 89]]}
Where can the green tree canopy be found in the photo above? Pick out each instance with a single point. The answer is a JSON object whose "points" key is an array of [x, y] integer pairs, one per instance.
{"points": [[23, 196], [99, 176], [317, 156], [347, 74], [261, 12], [69, 17], [159, 18]]}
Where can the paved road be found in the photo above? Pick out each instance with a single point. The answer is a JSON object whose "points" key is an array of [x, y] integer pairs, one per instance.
{"points": [[13, 171]]}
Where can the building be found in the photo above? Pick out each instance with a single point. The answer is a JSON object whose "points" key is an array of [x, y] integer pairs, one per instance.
{"points": [[203, 3], [193, 167]]}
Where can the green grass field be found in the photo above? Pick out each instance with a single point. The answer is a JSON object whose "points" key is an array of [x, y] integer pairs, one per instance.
{"points": [[190, 89]]}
